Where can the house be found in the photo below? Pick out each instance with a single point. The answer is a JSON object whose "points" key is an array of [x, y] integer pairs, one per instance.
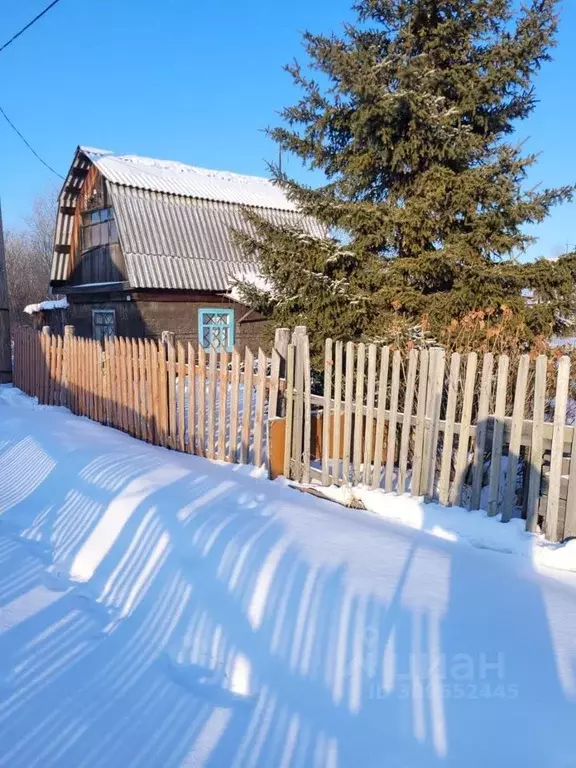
{"points": [[144, 246]]}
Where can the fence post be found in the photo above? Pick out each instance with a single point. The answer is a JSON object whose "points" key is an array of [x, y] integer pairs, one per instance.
{"points": [[277, 405], [66, 364]]}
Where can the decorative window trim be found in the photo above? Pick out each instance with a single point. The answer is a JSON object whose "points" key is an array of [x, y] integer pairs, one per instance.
{"points": [[228, 324]]}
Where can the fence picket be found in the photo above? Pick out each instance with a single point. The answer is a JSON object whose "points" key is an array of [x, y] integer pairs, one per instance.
{"points": [[498, 434], [259, 410], [191, 425], [556, 456], [457, 489], [392, 423], [419, 431], [247, 406], [431, 444], [223, 405], [212, 380], [326, 413], [358, 412], [201, 401], [298, 418], [515, 436], [537, 451], [381, 416], [153, 377], [289, 410], [481, 430], [336, 431], [407, 421], [143, 390], [369, 425], [181, 396], [234, 406], [171, 392], [446, 465], [348, 411], [307, 410]]}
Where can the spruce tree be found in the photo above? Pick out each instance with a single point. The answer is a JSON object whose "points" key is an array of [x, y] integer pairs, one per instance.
{"points": [[409, 115]]}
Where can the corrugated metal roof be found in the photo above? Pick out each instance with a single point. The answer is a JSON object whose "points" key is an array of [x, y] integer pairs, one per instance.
{"points": [[174, 221], [180, 179], [177, 242]]}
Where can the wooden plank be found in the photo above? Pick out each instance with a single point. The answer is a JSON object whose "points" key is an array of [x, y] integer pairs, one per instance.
{"points": [[143, 391], [130, 388], [392, 423], [326, 412], [289, 410], [191, 423], [126, 383], [247, 406], [275, 365], [570, 521], [135, 399], [172, 415], [358, 418], [181, 363], [234, 406], [561, 401], [446, 465], [154, 379], [336, 429], [370, 407], [259, 411], [211, 405], [406, 422], [163, 394], [481, 429], [419, 431], [537, 451], [201, 450], [59, 360], [498, 433], [298, 417], [464, 436], [348, 390], [431, 444], [515, 435], [307, 410], [223, 405], [381, 415]]}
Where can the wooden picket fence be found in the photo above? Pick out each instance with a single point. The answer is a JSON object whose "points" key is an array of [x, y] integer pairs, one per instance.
{"points": [[169, 394], [486, 433], [453, 431]]}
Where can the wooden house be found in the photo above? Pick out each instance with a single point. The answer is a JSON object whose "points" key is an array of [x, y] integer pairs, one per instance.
{"points": [[144, 246]]}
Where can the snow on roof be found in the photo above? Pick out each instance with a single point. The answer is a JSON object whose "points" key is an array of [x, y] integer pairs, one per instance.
{"points": [[48, 305], [176, 178]]}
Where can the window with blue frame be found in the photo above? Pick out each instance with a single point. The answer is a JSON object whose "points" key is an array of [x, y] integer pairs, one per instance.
{"points": [[216, 329]]}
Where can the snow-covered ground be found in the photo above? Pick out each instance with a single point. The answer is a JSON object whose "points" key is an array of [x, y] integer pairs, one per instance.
{"points": [[157, 609]]}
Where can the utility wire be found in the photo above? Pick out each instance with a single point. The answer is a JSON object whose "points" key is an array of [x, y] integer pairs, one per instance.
{"points": [[30, 23], [30, 147], [4, 115]]}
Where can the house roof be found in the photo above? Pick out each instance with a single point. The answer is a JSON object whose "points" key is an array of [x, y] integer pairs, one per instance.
{"points": [[175, 178], [175, 220]]}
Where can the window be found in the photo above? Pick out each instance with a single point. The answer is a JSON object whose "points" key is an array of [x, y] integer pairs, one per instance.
{"points": [[103, 323], [216, 328], [98, 228]]}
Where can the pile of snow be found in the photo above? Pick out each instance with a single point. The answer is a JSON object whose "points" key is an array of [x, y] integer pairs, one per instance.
{"points": [[46, 306], [475, 528]]}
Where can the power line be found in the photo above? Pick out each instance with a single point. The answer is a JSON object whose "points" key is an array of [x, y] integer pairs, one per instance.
{"points": [[30, 23], [30, 147], [4, 115]]}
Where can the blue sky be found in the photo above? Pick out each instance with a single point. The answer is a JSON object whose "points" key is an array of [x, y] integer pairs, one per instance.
{"points": [[197, 82]]}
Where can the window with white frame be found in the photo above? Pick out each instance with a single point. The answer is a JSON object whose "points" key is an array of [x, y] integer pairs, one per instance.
{"points": [[103, 324], [216, 329]]}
